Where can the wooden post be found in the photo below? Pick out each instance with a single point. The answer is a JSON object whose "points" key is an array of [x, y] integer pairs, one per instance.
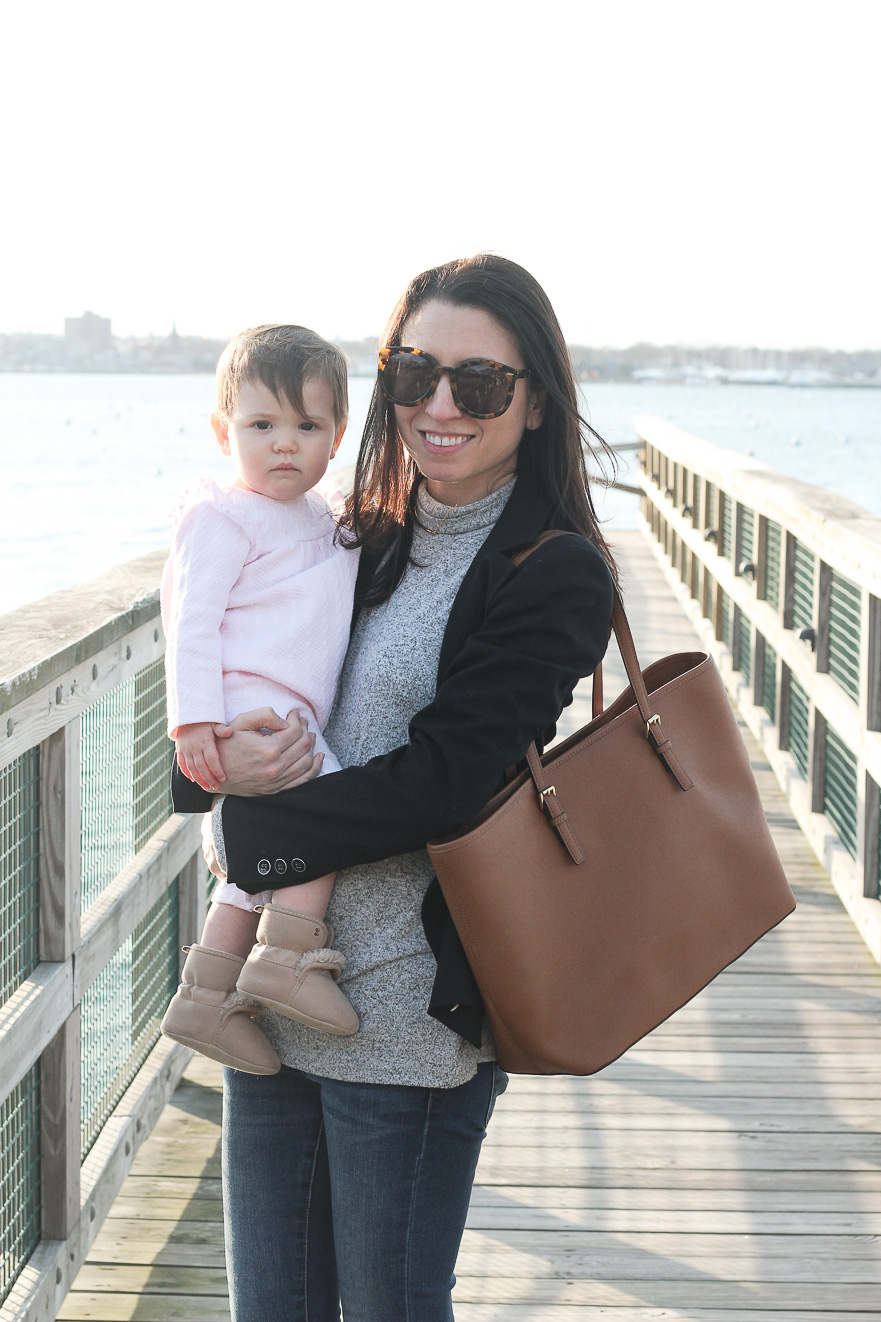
{"points": [[60, 1130], [60, 896], [872, 845], [817, 760], [789, 582], [761, 559], [759, 661], [784, 698], [708, 507], [737, 539], [60, 844], [870, 662], [191, 902], [717, 610]]}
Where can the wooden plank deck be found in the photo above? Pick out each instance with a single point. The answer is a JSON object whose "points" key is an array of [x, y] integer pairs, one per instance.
{"points": [[727, 1170]]}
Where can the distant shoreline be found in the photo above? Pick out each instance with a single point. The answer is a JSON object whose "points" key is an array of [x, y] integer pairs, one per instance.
{"points": [[847, 383]]}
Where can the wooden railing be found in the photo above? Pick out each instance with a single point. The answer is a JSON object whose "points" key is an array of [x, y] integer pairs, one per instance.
{"points": [[100, 886], [783, 583]]}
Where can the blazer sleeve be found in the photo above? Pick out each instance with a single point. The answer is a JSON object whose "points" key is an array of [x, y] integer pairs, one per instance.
{"points": [[546, 626]]}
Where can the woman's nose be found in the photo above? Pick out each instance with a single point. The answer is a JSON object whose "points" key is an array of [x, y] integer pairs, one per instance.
{"points": [[441, 404]]}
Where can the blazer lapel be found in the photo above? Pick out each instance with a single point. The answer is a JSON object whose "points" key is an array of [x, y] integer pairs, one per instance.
{"points": [[525, 516]]}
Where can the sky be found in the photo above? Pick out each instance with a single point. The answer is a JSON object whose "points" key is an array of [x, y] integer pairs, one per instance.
{"points": [[670, 171]]}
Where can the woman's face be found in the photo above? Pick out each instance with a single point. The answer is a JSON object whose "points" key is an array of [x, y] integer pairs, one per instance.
{"points": [[463, 459]]}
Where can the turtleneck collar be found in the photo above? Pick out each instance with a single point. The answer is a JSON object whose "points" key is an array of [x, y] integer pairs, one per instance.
{"points": [[435, 519]]}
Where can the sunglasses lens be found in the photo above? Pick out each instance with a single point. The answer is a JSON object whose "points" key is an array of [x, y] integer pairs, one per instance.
{"points": [[406, 378], [482, 389]]}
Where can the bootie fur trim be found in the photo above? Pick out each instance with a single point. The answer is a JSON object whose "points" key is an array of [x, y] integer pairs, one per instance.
{"points": [[331, 959]]}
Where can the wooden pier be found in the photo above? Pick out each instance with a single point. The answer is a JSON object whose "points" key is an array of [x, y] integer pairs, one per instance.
{"points": [[728, 1169]]}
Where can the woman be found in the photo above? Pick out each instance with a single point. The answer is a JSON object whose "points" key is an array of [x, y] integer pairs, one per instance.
{"points": [[348, 1174]]}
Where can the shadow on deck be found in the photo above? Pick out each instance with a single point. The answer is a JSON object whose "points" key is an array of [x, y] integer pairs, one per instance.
{"points": [[728, 1168]]}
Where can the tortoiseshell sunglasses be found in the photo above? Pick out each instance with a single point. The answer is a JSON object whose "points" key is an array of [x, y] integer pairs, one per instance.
{"points": [[480, 387]]}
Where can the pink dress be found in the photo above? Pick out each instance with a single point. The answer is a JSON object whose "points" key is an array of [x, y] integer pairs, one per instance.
{"points": [[256, 604]]}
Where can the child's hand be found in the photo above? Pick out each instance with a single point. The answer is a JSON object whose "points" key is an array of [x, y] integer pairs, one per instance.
{"points": [[197, 754]]}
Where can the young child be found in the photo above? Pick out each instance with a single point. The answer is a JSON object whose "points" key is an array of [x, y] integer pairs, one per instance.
{"points": [[256, 603]]}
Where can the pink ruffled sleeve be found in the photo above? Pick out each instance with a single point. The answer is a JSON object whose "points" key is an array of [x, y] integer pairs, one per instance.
{"points": [[207, 556]]}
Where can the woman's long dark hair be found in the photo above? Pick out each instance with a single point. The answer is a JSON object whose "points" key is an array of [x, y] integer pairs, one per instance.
{"points": [[381, 511]]}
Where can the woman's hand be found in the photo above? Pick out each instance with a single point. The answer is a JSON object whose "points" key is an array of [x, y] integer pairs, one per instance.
{"points": [[262, 754]]}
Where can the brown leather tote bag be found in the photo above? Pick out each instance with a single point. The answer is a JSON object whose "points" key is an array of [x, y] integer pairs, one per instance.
{"points": [[618, 874]]}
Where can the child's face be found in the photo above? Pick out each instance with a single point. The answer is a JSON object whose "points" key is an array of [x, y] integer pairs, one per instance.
{"points": [[278, 451]]}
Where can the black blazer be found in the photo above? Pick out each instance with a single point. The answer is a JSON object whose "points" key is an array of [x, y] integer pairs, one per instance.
{"points": [[516, 642]]}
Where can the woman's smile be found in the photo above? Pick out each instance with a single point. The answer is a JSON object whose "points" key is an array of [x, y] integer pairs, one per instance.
{"points": [[443, 441]]}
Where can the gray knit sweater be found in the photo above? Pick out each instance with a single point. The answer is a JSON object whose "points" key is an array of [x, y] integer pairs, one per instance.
{"points": [[389, 674]]}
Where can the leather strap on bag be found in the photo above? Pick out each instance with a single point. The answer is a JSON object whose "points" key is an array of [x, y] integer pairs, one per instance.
{"points": [[654, 733]]}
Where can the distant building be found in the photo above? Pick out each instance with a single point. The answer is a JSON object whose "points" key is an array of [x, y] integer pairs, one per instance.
{"points": [[90, 330]]}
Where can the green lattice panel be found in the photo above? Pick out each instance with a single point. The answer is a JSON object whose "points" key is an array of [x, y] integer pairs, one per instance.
{"points": [[799, 725], [773, 554], [19, 870], [845, 632], [747, 533], [20, 1209], [122, 1009], [803, 588], [106, 767], [726, 524], [710, 498], [840, 790]]}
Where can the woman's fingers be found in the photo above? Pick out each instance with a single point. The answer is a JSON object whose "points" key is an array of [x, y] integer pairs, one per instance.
{"points": [[306, 767], [264, 718], [295, 719]]}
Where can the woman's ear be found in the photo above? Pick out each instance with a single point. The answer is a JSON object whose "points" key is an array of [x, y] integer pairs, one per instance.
{"points": [[221, 431], [536, 410]]}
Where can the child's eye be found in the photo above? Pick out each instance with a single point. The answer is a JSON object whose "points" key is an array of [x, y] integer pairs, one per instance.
{"points": [[307, 426], [263, 424]]}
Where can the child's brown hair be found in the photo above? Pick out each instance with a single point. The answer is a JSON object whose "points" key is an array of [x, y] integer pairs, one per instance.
{"points": [[282, 358]]}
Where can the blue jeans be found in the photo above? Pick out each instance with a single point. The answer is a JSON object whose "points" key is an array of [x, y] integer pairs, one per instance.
{"points": [[352, 1192]]}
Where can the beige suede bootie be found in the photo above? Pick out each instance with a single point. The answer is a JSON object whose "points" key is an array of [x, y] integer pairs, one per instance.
{"points": [[208, 1014], [292, 970]]}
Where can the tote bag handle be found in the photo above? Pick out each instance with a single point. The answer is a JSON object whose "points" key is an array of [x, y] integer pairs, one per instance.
{"points": [[654, 732]]}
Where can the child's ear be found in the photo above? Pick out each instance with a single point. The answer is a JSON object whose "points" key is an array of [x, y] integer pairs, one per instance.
{"points": [[221, 431], [339, 436]]}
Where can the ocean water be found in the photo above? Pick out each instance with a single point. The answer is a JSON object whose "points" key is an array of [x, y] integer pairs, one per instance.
{"points": [[92, 465]]}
